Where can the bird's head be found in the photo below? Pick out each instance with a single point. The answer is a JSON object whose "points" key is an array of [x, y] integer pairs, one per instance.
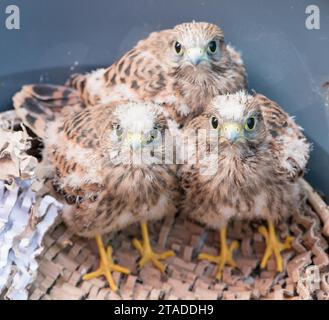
{"points": [[136, 133], [237, 120], [197, 48], [234, 123]]}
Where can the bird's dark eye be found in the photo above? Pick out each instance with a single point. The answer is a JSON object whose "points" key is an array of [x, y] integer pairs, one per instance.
{"points": [[250, 124], [178, 48], [119, 131], [212, 47], [153, 135], [214, 122]]}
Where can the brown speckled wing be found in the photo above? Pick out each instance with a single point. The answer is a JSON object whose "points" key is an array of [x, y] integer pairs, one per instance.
{"points": [[140, 72], [73, 150]]}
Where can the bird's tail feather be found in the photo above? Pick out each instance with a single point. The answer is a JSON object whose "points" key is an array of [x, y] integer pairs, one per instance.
{"points": [[38, 104]]}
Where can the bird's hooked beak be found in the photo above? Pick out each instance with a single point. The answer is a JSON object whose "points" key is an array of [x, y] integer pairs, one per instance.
{"points": [[231, 131], [195, 55], [135, 140]]}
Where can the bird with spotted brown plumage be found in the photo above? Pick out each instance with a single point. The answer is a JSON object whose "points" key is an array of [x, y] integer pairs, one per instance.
{"points": [[181, 68], [248, 166], [106, 162]]}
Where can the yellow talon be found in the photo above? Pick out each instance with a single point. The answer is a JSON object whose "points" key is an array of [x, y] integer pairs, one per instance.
{"points": [[225, 256], [106, 266], [146, 251], [273, 245]]}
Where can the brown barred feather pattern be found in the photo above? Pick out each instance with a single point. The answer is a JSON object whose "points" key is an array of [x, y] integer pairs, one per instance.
{"points": [[37, 104]]}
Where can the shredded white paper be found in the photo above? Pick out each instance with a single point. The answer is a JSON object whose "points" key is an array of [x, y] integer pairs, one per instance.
{"points": [[21, 244], [25, 217], [14, 162]]}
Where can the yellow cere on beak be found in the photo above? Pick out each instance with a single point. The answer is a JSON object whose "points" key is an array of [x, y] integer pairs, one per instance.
{"points": [[231, 131], [195, 55], [135, 140]]}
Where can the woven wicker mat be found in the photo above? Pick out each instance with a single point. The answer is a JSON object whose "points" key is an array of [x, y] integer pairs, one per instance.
{"points": [[67, 258]]}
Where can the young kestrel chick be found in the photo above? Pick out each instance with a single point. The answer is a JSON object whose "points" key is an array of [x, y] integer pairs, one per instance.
{"points": [[183, 68], [107, 162], [248, 168]]}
